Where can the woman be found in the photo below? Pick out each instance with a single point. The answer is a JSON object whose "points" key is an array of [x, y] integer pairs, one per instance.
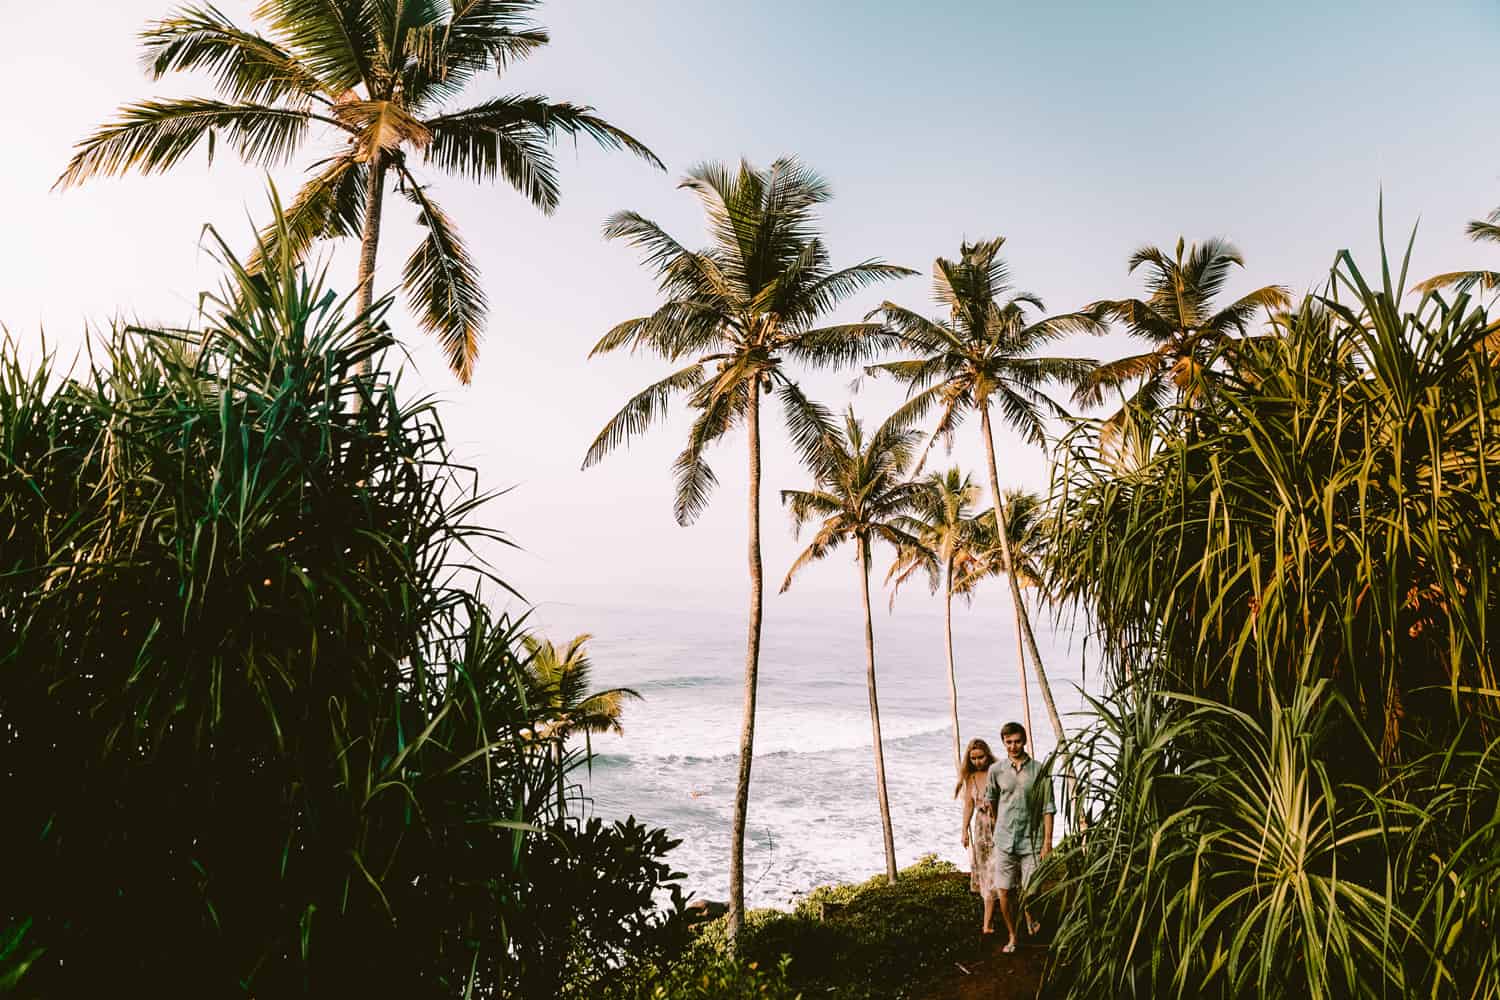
{"points": [[979, 826]]}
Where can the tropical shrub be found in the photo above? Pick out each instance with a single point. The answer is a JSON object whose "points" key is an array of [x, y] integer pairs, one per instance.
{"points": [[704, 975], [1294, 588], [594, 890], [860, 941], [259, 734]]}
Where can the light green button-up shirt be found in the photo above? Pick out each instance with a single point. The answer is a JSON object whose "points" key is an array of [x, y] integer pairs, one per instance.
{"points": [[1008, 787]]}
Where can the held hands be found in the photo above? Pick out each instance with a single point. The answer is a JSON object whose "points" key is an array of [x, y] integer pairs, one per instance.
{"points": [[966, 837]]}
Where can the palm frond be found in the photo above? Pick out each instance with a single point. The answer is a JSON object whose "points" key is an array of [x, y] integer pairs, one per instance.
{"points": [[917, 331], [722, 406], [512, 138], [810, 425], [682, 273], [247, 67], [443, 279], [479, 35], [1484, 232], [1140, 319], [644, 409], [826, 541], [842, 346], [331, 204], [1238, 314], [1113, 374], [153, 136], [1461, 281], [335, 39], [831, 289]]}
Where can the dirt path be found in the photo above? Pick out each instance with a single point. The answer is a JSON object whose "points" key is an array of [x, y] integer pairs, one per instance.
{"points": [[994, 976]]}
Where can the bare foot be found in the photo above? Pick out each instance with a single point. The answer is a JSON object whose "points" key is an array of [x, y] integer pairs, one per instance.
{"points": [[1033, 927], [987, 930]]}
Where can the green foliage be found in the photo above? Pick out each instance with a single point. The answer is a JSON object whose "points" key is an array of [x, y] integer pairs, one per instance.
{"points": [[705, 975], [593, 907], [860, 941], [1229, 861], [259, 734], [1293, 791]]}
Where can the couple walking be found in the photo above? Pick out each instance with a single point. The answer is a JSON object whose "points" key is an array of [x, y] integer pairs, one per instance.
{"points": [[1007, 825]]}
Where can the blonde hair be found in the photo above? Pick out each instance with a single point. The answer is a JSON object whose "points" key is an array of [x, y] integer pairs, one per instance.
{"points": [[967, 768]]}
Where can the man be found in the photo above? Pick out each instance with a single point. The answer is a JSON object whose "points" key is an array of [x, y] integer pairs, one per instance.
{"points": [[1022, 838]]}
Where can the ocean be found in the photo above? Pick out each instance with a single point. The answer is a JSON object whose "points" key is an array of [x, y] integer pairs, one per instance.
{"points": [[814, 817]]}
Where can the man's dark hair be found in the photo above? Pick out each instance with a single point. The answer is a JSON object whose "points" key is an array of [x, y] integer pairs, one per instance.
{"points": [[1012, 729]]}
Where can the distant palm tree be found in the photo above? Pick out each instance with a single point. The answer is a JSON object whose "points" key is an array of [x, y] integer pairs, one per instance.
{"points": [[945, 531], [383, 77], [1024, 533], [861, 495], [1485, 230], [557, 684], [1177, 320], [739, 310], [983, 356]]}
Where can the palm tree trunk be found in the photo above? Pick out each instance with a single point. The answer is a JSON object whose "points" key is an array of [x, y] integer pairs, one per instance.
{"points": [[752, 670], [368, 245], [1025, 692], [1023, 623], [885, 802], [958, 753], [557, 759]]}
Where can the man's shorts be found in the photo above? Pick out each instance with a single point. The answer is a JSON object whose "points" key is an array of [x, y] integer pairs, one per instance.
{"points": [[1012, 870]]}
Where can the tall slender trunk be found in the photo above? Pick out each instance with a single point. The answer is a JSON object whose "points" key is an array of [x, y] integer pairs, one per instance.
{"points": [[1025, 692], [958, 753], [863, 545], [1023, 623], [369, 244], [557, 759], [752, 671]]}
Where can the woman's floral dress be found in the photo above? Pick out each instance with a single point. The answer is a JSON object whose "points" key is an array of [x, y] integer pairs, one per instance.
{"points": [[981, 837]]}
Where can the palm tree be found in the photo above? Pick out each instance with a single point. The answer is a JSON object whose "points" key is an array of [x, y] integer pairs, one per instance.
{"points": [[382, 77], [557, 683], [861, 495], [983, 356], [739, 309], [1024, 535], [945, 530], [1485, 230], [1176, 319]]}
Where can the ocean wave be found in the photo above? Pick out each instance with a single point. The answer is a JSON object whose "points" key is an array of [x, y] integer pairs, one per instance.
{"points": [[680, 683], [778, 739], [612, 760]]}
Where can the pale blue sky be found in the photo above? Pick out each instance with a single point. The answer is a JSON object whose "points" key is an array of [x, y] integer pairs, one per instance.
{"points": [[1079, 131]]}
